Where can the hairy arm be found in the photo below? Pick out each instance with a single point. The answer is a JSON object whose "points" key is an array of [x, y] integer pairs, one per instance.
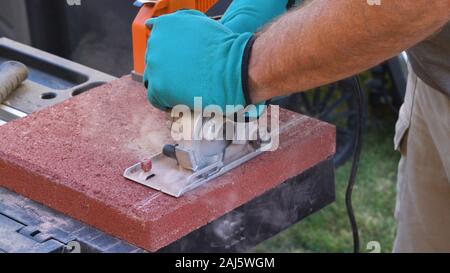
{"points": [[327, 40]]}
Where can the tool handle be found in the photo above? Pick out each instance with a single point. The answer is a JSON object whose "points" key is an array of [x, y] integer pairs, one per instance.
{"points": [[12, 74]]}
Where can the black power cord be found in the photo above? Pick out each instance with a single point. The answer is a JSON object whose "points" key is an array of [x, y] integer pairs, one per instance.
{"points": [[359, 96]]}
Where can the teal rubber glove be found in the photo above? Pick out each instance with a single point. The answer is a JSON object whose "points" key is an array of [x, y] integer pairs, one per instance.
{"points": [[249, 15], [189, 55]]}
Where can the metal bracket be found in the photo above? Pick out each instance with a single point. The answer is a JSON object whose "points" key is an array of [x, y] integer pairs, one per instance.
{"points": [[16, 237], [28, 227]]}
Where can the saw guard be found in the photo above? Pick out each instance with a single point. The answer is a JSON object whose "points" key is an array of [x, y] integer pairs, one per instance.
{"points": [[186, 165]]}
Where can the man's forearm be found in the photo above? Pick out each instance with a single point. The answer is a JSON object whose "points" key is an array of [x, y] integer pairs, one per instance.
{"points": [[328, 40]]}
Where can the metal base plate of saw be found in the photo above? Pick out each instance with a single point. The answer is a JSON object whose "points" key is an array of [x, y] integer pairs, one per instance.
{"points": [[209, 148]]}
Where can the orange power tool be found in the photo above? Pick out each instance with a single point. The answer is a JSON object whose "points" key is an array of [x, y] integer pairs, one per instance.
{"points": [[154, 8]]}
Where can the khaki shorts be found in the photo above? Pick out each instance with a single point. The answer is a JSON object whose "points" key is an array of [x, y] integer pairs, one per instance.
{"points": [[423, 189]]}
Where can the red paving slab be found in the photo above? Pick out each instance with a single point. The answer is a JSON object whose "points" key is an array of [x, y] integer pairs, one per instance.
{"points": [[71, 157]]}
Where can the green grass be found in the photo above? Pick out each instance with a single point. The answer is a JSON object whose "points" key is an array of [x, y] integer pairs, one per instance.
{"points": [[373, 199]]}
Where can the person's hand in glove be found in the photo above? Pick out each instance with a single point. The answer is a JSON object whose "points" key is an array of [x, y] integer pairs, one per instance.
{"points": [[189, 55]]}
